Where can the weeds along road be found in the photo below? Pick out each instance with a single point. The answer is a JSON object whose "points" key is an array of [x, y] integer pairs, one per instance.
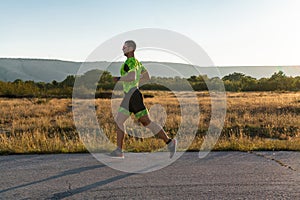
{"points": [[220, 175]]}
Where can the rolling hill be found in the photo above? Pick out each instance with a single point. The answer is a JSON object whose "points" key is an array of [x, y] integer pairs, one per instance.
{"points": [[46, 70]]}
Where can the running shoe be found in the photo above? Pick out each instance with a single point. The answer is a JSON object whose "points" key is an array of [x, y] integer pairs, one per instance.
{"points": [[117, 153]]}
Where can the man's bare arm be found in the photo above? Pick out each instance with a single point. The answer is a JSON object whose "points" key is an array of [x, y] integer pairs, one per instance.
{"points": [[128, 78], [145, 77]]}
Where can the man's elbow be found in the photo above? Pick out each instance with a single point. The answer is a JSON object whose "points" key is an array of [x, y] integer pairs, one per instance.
{"points": [[146, 76], [131, 77]]}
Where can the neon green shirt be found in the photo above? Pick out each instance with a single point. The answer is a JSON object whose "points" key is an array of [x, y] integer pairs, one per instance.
{"points": [[131, 64]]}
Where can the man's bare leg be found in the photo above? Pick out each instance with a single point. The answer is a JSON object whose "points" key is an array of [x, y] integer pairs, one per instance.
{"points": [[120, 120], [157, 129], [154, 127]]}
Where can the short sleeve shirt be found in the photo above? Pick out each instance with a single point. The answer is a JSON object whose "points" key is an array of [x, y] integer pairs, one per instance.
{"points": [[131, 64]]}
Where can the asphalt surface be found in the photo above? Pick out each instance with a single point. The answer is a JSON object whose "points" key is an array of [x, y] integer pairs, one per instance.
{"points": [[220, 175]]}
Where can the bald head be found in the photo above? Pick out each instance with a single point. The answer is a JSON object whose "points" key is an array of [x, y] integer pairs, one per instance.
{"points": [[130, 43], [129, 48]]}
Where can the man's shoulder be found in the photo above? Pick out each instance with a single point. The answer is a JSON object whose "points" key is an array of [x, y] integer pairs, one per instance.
{"points": [[131, 62]]}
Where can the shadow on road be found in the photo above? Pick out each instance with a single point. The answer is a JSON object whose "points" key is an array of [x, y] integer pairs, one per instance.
{"points": [[72, 192], [65, 173], [69, 193]]}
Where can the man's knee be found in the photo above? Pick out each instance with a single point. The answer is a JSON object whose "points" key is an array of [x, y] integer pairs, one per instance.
{"points": [[145, 121], [120, 120]]}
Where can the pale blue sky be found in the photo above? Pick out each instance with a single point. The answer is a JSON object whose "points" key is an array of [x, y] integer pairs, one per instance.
{"points": [[232, 32]]}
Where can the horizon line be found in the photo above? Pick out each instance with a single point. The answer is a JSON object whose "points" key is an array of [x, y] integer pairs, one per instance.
{"points": [[65, 60]]}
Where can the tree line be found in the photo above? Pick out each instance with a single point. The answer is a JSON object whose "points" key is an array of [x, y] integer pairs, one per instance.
{"points": [[91, 85]]}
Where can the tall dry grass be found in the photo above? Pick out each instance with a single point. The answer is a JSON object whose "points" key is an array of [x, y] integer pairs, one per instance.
{"points": [[254, 121]]}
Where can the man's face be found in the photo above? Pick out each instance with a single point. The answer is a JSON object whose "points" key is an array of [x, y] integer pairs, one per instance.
{"points": [[126, 49]]}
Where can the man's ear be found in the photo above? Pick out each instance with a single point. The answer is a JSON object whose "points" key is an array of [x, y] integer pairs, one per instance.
{"points": [[131, 49]]}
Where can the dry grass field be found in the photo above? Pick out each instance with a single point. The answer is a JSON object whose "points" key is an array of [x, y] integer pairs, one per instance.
{"points": [[254, 121]]}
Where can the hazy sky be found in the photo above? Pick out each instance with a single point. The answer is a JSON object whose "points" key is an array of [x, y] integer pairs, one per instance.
{"points": [[232, 32]]}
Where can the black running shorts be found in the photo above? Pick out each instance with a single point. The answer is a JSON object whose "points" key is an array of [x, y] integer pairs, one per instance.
{"points": [[133, 103]]}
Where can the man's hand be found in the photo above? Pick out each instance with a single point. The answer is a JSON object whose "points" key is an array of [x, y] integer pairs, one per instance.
{"points": [[145, 77]]}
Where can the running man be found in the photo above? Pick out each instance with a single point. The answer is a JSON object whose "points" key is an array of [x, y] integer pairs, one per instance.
{"points": [[132, 74]]}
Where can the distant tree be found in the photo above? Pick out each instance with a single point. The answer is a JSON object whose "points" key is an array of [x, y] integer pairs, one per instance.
{"points": [[18, 81], [279, 81], [105, 81], [232, 86], [68, 82], [199, 83], [277, 76], [55, 83], [234, 77], [90, 79], [240, 82], [248, 83], [297, 83]]}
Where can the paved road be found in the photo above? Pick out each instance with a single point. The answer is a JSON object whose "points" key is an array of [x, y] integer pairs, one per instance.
{"points": [[220, 175]]}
